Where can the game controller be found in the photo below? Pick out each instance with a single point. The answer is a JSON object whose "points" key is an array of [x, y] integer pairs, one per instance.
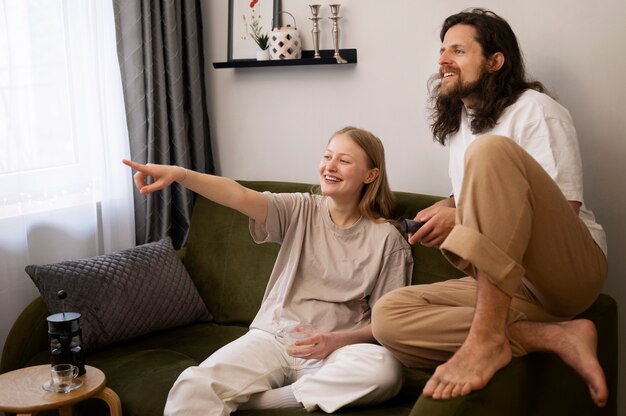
{"points": [[411, 226]]}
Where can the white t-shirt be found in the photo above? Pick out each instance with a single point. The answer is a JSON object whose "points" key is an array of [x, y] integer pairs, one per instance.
{"points": [[543, 128], [325, 275]]}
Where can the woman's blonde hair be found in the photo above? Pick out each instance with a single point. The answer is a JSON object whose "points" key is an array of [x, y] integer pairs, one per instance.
{"points": [[377, 199]]}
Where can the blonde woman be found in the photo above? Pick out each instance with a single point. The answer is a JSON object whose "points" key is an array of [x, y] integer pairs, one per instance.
{"points": [[338, 256]]}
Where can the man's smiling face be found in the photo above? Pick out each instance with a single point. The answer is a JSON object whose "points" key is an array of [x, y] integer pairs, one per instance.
{"points": [[461, 63]]}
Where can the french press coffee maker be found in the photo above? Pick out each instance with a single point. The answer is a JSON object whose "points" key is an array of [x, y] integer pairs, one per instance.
{"points": [[66, 337]]}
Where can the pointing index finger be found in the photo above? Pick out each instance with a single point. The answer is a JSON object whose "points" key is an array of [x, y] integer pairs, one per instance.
{"points": [[130, 163]]}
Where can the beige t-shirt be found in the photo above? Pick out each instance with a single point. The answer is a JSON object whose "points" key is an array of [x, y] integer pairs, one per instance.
{"points": [[324, 275]]}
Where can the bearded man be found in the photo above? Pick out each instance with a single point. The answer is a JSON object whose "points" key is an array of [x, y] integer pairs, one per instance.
{"points": [[516, 223]]}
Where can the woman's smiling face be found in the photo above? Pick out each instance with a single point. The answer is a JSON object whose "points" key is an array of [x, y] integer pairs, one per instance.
{"points": [[344, 168]]}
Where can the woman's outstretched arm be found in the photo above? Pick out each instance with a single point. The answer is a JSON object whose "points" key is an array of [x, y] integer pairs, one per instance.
{"points": [[223, 191]]}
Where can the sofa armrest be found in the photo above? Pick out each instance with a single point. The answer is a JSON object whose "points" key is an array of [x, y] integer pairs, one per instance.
{"points": [[27, 337], [506, 394], [604, 315]]}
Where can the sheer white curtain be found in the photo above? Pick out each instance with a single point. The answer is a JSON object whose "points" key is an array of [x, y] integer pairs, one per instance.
{"points": [[64, 193]]}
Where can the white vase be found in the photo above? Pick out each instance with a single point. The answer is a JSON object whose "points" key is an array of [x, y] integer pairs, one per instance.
{"points": [[263, 55]]}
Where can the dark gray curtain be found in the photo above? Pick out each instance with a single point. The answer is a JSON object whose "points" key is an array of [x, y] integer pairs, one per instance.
{"points": [[159, 45]]}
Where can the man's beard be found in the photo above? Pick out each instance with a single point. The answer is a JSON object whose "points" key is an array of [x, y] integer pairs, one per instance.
{"points": [[460, 90]]}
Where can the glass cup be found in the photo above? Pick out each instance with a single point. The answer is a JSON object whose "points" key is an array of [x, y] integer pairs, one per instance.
{"points": [[63, 376], [290, 334]]}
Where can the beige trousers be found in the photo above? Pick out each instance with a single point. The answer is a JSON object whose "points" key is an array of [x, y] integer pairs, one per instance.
{"points": [[514, 224]]}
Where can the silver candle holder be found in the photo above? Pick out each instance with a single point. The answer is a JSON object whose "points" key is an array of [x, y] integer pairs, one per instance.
{"points": [[334, 10], [315, 10]]}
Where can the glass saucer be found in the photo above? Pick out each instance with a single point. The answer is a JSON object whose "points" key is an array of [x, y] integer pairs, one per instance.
{"points": [[54, 389]]}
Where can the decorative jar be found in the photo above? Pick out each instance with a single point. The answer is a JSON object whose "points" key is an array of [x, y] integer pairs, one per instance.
{"points": [[285, 42]]}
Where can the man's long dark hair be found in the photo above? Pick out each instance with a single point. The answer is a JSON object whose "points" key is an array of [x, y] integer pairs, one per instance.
{"points": [[495, 90]]}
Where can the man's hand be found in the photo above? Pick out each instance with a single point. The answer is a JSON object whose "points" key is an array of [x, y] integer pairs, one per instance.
{"points": [[439, 220]]}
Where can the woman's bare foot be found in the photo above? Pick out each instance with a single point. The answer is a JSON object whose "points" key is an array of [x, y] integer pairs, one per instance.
{"points": [[471, 367]]}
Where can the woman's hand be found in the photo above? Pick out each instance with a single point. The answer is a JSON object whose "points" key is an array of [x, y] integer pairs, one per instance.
{"points": [[439, 220], [316, 347], [320, 345], [162, 176]]}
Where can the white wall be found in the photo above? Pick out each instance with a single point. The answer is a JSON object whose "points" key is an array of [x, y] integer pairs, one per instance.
{"points": [[272, 123]]}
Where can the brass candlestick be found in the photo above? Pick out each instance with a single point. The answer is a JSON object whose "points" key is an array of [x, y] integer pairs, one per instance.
{"points": [[315, 9], [334, 10]]}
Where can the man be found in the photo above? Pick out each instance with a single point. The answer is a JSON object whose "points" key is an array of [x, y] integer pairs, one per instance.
{"points": [[516, 224]]}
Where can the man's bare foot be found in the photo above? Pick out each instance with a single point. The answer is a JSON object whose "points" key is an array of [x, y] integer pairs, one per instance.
{"points": [[471, 367], [576, 344]]}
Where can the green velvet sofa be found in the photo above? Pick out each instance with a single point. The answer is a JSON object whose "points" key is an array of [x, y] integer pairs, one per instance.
{"points": [[230, 273]]}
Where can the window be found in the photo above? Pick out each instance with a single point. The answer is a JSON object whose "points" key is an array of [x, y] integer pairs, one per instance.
{"points": [[52, 93]]}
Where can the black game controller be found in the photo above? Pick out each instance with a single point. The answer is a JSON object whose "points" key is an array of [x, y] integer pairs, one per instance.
{"points": [[411, 226]]}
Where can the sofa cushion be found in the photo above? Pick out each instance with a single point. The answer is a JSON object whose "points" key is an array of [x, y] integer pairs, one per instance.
{"points": [[123, 295]]}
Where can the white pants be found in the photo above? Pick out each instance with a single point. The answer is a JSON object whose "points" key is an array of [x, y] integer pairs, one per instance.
{"points": [[359, 374]]}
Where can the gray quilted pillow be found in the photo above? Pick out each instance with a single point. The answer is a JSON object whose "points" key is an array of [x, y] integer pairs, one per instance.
{"points": [[123, 295]]}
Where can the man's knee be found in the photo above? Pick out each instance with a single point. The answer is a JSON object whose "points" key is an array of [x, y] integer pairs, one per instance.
{"points": [[492, 153], [489, 146], [383, 325]]}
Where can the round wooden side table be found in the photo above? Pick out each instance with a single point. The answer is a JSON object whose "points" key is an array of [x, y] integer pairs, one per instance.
{"points": [[22, 392]]}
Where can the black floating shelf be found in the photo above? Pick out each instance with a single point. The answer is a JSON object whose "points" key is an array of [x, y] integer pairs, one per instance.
{"points": [[326, 58]]}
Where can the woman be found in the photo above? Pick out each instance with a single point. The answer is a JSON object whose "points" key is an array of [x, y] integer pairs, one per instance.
{"points": [[338, 256]]}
